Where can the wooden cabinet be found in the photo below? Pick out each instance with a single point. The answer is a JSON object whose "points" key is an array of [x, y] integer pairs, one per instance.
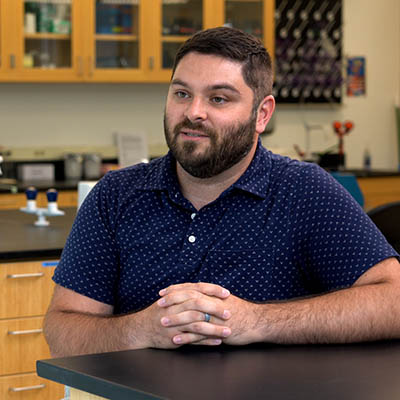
{"points": [[112, 41], [66, 198], [32, 49], [379, 190], [25, 294], [29, 387]]}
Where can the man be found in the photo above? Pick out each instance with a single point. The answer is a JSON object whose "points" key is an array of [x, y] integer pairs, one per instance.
{"points": [[221, 241]]}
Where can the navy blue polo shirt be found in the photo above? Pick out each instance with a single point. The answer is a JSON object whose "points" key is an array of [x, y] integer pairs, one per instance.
{"points": [[285, 229]]}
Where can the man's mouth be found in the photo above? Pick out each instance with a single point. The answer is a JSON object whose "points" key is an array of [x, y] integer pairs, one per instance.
{"points": [[193, 134]]}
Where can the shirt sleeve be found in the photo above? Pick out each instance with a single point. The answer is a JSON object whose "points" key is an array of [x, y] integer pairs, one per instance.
{"points": [[335, 240], [89, 263]]}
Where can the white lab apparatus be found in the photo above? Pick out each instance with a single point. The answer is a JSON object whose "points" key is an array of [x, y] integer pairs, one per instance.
{"points": [[51, 210]]}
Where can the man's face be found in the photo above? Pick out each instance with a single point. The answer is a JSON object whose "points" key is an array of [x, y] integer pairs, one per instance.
{"points": [[209, 121]]}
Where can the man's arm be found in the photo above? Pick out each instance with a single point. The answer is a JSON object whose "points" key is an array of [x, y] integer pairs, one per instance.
{"points": [[76, 324], [369, 310]]}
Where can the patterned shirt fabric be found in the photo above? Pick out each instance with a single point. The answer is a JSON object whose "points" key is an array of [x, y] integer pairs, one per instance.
{"points": [[285, 229]]}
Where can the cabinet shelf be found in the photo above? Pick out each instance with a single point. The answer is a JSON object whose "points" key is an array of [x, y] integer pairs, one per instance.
{"points": [[47, 36], [174, 38], [116, 37]]}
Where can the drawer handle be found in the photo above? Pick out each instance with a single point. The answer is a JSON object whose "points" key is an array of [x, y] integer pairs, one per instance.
{"points": [[24, 388], [27, 332], [32, 275]]}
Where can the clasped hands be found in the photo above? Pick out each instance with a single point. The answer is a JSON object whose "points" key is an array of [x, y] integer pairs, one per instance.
{"points": [[180, 316]]}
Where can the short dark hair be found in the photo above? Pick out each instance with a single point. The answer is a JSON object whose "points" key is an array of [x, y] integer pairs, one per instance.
{"points": [[235, 45]]}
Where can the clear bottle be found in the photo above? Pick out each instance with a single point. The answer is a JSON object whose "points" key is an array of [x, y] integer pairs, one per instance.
{"points": [[367, 160]]}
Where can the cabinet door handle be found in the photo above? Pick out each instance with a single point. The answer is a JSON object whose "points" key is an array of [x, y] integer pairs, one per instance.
{"points": [[80, 65], [91, 66], [151, 62], [12, 61], [32, 275], [24, 388], [27, 332]]}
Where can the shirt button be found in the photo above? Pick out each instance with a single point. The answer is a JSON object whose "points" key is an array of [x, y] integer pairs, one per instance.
{"points": [[192, 239], [193, 215]]}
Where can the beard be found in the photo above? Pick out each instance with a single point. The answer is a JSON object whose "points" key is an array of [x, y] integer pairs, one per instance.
{"points": [[225, 149]]}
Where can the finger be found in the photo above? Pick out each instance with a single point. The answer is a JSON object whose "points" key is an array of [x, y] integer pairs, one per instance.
{"points": [[202, 303], [177, 297], [188, 317], [210, 289], [207, 305], [200, 331], [183, 318], [208, 342], [204, 329], [187, 338]]}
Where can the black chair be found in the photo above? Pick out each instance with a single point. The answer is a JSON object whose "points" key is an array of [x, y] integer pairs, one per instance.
{"points": [[387, 219]]}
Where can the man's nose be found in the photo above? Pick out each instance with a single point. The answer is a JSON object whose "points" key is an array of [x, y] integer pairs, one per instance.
{"points": [[196, 110]]}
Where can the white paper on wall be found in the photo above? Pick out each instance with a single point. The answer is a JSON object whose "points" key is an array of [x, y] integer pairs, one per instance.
{"points": [[132, 148]]}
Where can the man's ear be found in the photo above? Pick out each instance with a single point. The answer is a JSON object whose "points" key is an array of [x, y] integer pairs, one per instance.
{"points": [[264, 113]]}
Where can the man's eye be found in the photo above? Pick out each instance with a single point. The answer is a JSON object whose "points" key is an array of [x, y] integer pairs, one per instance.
{"points": [[219, 100], [181, 95]]}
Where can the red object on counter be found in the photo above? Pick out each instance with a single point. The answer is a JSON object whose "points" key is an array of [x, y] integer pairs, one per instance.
{"points": [[342, 129]]}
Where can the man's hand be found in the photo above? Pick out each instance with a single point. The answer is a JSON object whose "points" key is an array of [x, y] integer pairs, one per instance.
{"points": [[183, 310], [243, 322], [237, 318]]}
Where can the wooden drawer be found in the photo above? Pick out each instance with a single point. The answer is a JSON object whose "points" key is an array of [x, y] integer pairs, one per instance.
{"points": [[21, 343], [66, 198], [29, 387], [26, 289]]}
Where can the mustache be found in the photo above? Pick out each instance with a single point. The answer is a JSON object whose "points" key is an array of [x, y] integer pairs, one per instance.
{"points": [[198, 126]]}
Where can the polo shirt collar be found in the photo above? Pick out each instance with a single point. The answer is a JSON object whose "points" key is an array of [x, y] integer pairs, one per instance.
{"points": [[255, 180], [161, 174]]}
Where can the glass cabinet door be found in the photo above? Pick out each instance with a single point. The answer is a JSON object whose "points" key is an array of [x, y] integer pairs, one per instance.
{"points": [[253, 16], [1, 37], [180, 19], [47, 37], [246, 15], [117, 34]]}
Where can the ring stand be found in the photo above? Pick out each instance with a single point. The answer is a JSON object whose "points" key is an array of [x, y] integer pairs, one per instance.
{"points": [[42, 213], [51, 210]]}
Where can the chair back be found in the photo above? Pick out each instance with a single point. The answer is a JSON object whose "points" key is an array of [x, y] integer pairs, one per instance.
{"points": [[387, 219], [349, 182]]}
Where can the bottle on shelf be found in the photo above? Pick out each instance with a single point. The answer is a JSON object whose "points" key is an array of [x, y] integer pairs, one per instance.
{"points": [[367, 160]]}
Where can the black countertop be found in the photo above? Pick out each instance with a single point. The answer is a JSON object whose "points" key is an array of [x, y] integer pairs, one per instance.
{"points": [[21, 240], [20, 187], [12, 186], [366, 371], [363, 173]]}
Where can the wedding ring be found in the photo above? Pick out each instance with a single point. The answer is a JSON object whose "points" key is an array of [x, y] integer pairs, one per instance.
{"points": [[207, 317]]}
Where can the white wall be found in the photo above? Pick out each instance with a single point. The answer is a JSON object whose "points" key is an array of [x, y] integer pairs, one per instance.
{"points": [[82, 114], [78, 114]]}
